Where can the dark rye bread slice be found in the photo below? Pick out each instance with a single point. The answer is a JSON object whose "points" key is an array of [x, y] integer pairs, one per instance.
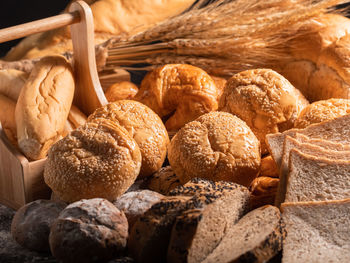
{"points": [[336, 130], [257, 237], [316, 179], [315, 150], [317, 231], [197, 232], [149, 238]]}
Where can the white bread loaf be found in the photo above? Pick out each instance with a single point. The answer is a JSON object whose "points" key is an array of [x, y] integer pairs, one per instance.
{"points": [[43, 106]]}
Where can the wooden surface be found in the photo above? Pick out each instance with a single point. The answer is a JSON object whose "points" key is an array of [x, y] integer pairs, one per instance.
{"points": [[88, 91]]}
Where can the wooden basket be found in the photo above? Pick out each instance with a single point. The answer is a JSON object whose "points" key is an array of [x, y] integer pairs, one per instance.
{"points": [[21, 180]]}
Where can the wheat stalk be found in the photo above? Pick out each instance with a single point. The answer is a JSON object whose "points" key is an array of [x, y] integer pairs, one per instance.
{"points": [[224, 36]]}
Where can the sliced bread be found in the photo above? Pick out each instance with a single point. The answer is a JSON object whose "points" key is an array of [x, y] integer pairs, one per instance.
{"points": [[257, 237], [317, 231], [198, 231], [315, 150], [150, 235], [336, 130], [313, 178]]}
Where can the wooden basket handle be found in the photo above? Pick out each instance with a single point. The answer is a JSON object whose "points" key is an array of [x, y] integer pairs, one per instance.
{"points": [[88, 92]]}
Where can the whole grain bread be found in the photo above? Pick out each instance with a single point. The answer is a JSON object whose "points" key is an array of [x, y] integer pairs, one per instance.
{"points": [[313, 178], [198, 231], [150, 235], [316, 231], [257, 237]]}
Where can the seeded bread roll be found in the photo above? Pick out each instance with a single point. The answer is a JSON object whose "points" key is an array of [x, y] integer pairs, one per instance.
{"points": [[322, 110], [216, 146], [43, 106], [89, 231], [264, 99], [184, 91], [144, 126], [95, 160], [32, 222]]}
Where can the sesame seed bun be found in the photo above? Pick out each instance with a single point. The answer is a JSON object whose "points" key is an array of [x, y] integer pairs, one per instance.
{"points": [[95, 160], [216, 146]]}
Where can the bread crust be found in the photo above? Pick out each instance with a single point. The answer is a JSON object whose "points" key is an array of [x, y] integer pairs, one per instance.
{"points": [[264, 99], [11, 82], [43, 106], [216, 146], [95, 160], [7, 118], [124, 90], [183, 91], [144, 126]]}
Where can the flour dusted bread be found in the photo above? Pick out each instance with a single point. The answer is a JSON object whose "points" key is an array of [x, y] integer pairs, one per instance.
{"points": [[31, 224], [256, 237], [183, 91], [313, 178], [143, 125], [316, 231], [89, 231], [43, 106], [95, 160], [264, 99], [216, 146]]}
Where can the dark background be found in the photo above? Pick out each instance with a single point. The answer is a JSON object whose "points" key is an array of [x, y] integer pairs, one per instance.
{"points": [[15, 12]]}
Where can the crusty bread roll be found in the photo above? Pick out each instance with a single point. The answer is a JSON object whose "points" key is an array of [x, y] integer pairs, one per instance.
{"points": [[264, 99], [95, 160], [322, 110], [216, 146], [319, 68], [111, 17], [11, 82], [143, 125], [121, 91], [184, 91], [43, 106], [7, 118]]}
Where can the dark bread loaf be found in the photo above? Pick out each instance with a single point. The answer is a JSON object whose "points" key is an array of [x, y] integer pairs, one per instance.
{"points": [[257, 237], [31, 224], [150, 236], [135, 204], [88, 231], [198, 231]]}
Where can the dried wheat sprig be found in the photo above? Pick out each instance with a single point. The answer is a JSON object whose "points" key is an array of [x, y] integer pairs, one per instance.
{"points": [[225, 36]]}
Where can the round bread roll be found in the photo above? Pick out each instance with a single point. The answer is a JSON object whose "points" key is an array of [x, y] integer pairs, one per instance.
{"points": [[32, 222], [144, 126], [135, 204], [43, 106], [184, 91], [121, 91], [216, 146], [89, 231], [95, 160], [264, 99], [322, 110]]}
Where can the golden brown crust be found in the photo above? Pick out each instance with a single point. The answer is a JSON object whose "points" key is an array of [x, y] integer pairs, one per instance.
{"points": [[264, 99], [220, 84], [322, 110], [43, 106], [216, 146], [76, 117], [95, 160], [263, 191], [184, 91], [268, 167], [7, 118], [11, 82], [123, 90], [144, 126]]}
